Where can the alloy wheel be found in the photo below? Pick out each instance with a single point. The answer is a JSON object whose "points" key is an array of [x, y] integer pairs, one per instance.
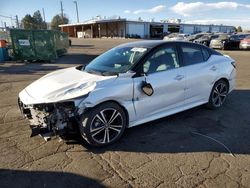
{"points": [[106, 126], [219, 94]]}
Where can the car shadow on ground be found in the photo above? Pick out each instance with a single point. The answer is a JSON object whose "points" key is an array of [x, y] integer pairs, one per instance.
{"points": [[76, 58], [82, 46], [44, 66], [27, 68], [21, 178], [225, 130]]}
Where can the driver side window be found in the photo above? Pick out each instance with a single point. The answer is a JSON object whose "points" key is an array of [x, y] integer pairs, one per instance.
{"points": [[163, 59]]}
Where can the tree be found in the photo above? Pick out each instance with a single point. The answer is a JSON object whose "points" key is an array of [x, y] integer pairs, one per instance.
{"points": [[234, 29], [34, 22], [239, 29], [28, 22], [57, 20], [40, 24]]}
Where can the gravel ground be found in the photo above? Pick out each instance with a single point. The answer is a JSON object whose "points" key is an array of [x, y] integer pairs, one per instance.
{"points": [[176, 151]]}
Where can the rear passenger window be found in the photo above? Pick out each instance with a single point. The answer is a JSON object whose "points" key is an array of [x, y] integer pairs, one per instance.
{"points": [[192, 55], [206, 54]]}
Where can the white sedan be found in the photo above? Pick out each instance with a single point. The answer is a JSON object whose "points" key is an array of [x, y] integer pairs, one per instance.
{"points": [[176, 37], [131, 84]]}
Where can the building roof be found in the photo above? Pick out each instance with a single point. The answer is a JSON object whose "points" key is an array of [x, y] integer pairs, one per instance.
{"points": [[96, 21]]}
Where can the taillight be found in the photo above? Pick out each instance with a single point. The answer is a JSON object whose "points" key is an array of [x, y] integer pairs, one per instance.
{"points": [[234, 64]]}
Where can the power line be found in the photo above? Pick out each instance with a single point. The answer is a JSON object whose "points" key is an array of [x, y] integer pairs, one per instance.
{"points": [[5, 16], [11, 19]]}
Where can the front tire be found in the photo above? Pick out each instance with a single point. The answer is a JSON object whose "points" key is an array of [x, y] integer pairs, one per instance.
{"points": [[103, 125], [218, 94]]}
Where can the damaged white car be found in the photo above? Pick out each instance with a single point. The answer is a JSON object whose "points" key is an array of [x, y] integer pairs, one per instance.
{"points": [[128, 85]]}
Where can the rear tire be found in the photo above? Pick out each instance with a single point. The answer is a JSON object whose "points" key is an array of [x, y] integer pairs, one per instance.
{"points": [[218, 94], [103, 125]]}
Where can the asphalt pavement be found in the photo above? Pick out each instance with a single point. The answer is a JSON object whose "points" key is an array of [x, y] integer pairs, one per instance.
{"points": [[194, 148]]}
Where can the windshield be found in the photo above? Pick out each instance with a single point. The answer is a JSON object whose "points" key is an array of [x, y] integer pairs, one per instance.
{"points": [[222, 37], [191, 37], [116, 60], [172, 35], [243, 36], [205, 37]]}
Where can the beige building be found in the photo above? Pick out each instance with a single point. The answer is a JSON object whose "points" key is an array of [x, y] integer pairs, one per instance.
{"points": [[122, 28]]}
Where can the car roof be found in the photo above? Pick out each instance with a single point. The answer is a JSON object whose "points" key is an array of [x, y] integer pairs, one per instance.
{"points": [[143, 43], [152, 43], [242, 34]]}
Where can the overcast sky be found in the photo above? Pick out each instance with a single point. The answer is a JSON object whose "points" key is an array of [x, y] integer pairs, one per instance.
{"points": [[191, 11]]}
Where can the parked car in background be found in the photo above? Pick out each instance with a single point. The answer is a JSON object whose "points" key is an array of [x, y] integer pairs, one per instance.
{"points": [[219, 43], [191, 38], [206, 39], [128, 85], [227, 42], [184, 35], [245, 43], [170, 35], [175, 37]]}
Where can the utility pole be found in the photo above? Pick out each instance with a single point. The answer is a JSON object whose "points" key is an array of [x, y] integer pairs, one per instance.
{"points": [[44, 19], [44, 16], [62, 11], [17, 22], [2, 26], [76, 11]]}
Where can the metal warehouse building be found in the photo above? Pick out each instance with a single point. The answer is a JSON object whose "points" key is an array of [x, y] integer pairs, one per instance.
{"points": [[122, 28]]}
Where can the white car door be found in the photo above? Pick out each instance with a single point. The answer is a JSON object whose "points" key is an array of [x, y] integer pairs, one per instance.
{"points": [[200, 73], [165, 74]]}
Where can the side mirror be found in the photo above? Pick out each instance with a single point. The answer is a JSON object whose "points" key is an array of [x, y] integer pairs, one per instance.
{"points": [[147, 88], [79, 67]]}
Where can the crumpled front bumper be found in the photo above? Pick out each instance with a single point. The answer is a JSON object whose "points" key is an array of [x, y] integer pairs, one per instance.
{"points": [[54, 118]]}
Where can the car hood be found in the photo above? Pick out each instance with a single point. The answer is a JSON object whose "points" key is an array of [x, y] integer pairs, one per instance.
{"points": [[60, 85], [218, 40], [201, 40]]}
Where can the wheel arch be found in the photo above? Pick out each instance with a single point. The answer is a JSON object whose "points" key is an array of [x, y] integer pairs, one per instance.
{"points": [[116, 102], [224, 79], [217, 80]]}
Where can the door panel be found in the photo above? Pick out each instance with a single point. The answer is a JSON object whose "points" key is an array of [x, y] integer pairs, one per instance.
{"points": [[199, 81], [168, 92], [200, 72], [167, 78]]}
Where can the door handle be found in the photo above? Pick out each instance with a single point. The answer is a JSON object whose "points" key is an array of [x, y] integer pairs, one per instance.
{"points": [[213, 68], [179, 77]]}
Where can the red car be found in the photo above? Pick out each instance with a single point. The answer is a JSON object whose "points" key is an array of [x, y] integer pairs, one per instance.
{"points": [[245, 43]]}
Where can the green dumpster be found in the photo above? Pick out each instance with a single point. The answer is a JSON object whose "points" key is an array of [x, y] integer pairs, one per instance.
{"points": [[38, 44]]}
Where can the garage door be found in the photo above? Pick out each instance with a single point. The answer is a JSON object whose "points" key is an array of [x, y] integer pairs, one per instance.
{"points": [[136, 29], [215, 29], [204, 28], [188, 29]]}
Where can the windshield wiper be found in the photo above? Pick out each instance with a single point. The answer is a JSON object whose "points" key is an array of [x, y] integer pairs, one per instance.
{"points": [[109, 73], [93, 72]]}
